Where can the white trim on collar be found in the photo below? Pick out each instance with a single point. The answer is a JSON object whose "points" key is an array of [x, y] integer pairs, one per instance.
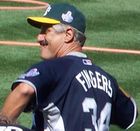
{"points": [[78, 54]]}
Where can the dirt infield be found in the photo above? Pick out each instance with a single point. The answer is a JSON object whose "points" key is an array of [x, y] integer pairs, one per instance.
{"points": [[40, 5], [86, 48], [43, 5]]}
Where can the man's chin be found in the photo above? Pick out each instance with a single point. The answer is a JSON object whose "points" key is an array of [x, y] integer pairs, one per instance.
{"points": [[46, 57]]}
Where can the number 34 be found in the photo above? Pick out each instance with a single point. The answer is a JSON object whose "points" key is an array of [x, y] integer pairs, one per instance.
{"points": [[102, 124]]}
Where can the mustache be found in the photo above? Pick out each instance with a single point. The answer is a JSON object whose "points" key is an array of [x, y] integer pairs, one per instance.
{"points": [[43, 42]]}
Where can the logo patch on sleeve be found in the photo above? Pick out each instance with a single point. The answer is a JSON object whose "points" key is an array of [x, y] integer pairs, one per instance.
{"points": [[87, 62], [31, 73]]}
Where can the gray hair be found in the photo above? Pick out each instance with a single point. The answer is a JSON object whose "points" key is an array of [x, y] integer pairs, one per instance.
{"points": [[79, 36]]}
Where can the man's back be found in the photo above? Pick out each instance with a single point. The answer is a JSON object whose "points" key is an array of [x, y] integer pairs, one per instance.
{"points": [[76, 94]]}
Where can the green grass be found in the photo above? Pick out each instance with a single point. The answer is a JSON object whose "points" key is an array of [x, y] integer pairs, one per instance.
{"points": [[110, 23]]}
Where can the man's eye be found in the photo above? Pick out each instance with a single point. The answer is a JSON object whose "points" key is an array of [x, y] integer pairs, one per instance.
{"points": [[48, 30]]}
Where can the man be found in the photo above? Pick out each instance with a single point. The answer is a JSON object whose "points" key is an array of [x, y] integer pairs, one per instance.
{"points": [[66, 91]]}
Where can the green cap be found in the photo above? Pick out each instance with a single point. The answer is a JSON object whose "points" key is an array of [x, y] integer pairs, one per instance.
{"points": [[60, 13]]}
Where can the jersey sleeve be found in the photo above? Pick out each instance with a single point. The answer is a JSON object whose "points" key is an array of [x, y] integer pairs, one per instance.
{"points": [[124, 110], [37, 77]]}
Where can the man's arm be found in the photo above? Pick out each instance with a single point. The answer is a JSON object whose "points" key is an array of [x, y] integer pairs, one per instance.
{"points": [[17, 100], [125, 111]]}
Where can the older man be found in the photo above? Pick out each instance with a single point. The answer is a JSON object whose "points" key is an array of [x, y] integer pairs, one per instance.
{"points": [[67, 91]]}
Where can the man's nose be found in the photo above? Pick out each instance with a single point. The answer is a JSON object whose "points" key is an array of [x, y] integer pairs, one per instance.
{"points": [[40, 37], [42, 40]]}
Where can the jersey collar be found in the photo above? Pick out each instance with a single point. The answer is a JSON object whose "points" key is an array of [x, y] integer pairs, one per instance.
{"points": [[78, 54]]}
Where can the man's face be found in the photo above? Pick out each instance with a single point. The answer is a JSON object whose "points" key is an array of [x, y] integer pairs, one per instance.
{"points": [[50, 42]]}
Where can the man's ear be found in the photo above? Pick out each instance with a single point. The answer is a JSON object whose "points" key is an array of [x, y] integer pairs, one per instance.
{"points": [[69, 35]]}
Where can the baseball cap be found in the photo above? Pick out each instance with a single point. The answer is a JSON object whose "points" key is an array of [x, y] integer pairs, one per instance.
{"points": [[60, 13]]}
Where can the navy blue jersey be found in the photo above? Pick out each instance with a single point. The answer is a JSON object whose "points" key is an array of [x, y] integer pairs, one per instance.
{"points": [[73, 94]]}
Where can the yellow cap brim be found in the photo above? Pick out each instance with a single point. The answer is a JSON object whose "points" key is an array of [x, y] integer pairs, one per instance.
{"points": [[39, 21]]}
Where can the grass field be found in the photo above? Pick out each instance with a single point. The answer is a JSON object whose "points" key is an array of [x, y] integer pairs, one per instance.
{"points": [[110, 23]]}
